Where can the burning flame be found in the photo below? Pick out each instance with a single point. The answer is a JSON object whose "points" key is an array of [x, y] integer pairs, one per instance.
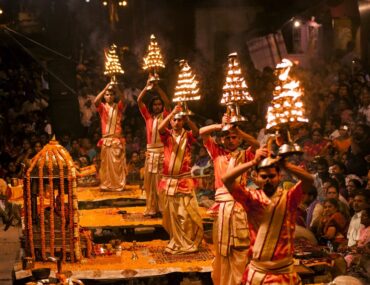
{"points": [[153, 59], [286, 106], [112, 64], [186, 88], [235, 89]]}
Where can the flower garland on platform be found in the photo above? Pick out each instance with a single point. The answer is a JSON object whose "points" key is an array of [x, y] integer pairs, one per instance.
{"points": [[51, 186], [42, 209], [28, 202], [29, 232], [76, 233], [70, 206], [73, 208], [89, 244], [62, 212]]}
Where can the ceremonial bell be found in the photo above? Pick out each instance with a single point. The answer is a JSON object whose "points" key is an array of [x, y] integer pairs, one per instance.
{"points": [[153, 79], [185, 110], [233, 109], [268, 162], [113, 80], [288, 149]]}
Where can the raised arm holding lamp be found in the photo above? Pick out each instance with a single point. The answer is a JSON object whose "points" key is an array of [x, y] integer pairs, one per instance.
{"points": [[273, 210], [113, 152], [230, 230], [153, 113]]}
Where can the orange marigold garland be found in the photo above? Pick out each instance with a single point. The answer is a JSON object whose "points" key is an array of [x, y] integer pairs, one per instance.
{"points": [[61, 200], [70, 199], [51, 186], [24, 213], [70, 205], [89, 245], [71, 233], [28, 201], [42, 209], [76, 233], [74, 225], [29, 216]]}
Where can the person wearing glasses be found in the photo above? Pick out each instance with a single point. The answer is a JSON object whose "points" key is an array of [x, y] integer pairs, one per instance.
{"points": [[113, 169]]}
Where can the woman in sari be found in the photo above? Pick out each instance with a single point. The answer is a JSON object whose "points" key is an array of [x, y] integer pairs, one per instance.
{"points": [[332, 226], [317, 146]]}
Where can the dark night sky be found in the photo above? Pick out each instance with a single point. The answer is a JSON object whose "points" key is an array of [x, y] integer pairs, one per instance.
{"points": [[76, 19], [64, 25]]}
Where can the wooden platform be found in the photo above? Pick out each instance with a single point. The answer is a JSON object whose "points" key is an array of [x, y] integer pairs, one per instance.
{"points": [[151, 261], [109, 218]]}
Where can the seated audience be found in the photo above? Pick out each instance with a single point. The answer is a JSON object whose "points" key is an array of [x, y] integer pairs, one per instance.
{"points": [[332, 225]]}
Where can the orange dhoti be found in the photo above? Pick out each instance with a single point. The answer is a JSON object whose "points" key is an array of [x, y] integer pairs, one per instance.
{"points": [[113, 165], [231, 240], [181, 218], [152, 175]]}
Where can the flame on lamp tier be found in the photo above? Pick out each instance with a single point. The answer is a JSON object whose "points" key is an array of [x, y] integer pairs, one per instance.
{"points": [[153, 59], [112, 64], [286, 106], [186, 88], [235, 89]]}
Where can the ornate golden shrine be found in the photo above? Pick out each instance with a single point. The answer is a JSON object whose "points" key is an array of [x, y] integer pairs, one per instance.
{"points": [[51, 206]]}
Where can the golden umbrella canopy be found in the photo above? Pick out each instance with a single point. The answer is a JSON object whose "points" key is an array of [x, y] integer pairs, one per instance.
{"points": [[51, 154], [53, 161]]}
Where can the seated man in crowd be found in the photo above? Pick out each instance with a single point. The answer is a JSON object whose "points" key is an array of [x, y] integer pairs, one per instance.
{"points": [[363, 241], [314, 207], [361, 202], [133, 168]]}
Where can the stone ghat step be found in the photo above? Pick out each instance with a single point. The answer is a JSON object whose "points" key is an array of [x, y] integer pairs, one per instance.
{"points": [[95, 194], [89, 197], [110, 218]]}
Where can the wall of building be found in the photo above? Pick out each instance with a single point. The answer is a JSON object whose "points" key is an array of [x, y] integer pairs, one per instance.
{"points": [[222, 30]]}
